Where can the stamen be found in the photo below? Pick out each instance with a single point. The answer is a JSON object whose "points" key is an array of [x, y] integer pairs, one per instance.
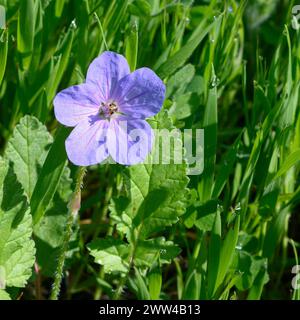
{"points": [[108, 109]]}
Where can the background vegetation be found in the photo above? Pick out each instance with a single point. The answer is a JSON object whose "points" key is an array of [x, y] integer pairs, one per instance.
{"points": [[149, 232]]}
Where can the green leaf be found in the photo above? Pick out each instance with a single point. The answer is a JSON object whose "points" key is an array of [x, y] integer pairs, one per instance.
{"points": [[49, 232], [132, 46], [274, 233], [113, 17], [27, 150], [249, 266], [155, 197], [142, 290], [4, 295], [105, 252], [210, 141], [17, 252], [156, 193], [227, 251], [3, 52], [178, 83], [226, 168], [50, 176], [206, 215], [256, 289], [155, 282], [288, 163], [192, 286], [25, 36], [63, 54], [111, 253], [140, 8], [214, 253], [181, 56], [148, 251], [59, 6]]}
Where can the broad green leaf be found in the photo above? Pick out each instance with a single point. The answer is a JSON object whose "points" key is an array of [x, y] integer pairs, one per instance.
{"points": [[256, 289], [4, 295], [17, 252], [155, 198], [27, 150], [206, 215], [249, 266], [50, 176], [148, 251], [111, 253], [156, 194]]}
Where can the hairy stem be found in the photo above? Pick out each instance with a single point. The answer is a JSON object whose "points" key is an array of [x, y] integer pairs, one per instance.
{"points": [[73, 209]]}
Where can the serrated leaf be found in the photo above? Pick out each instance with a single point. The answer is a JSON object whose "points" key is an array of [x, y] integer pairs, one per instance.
{"points": [[17, 252], [156, 194], [111, 253], [4, 295], [27, 150]]}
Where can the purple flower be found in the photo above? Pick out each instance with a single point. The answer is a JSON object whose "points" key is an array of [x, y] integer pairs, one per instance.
{"points": [[108, 112]]}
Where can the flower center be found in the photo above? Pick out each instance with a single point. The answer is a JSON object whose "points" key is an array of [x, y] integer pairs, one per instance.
{"points": [[107, 109]]}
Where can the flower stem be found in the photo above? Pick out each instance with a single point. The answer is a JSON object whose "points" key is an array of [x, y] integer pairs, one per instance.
{"points": [[119, 290], [73, 209]]}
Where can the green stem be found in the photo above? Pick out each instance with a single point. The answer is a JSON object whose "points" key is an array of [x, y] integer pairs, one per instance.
{"points": [[73, 209], [123, 281]]}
